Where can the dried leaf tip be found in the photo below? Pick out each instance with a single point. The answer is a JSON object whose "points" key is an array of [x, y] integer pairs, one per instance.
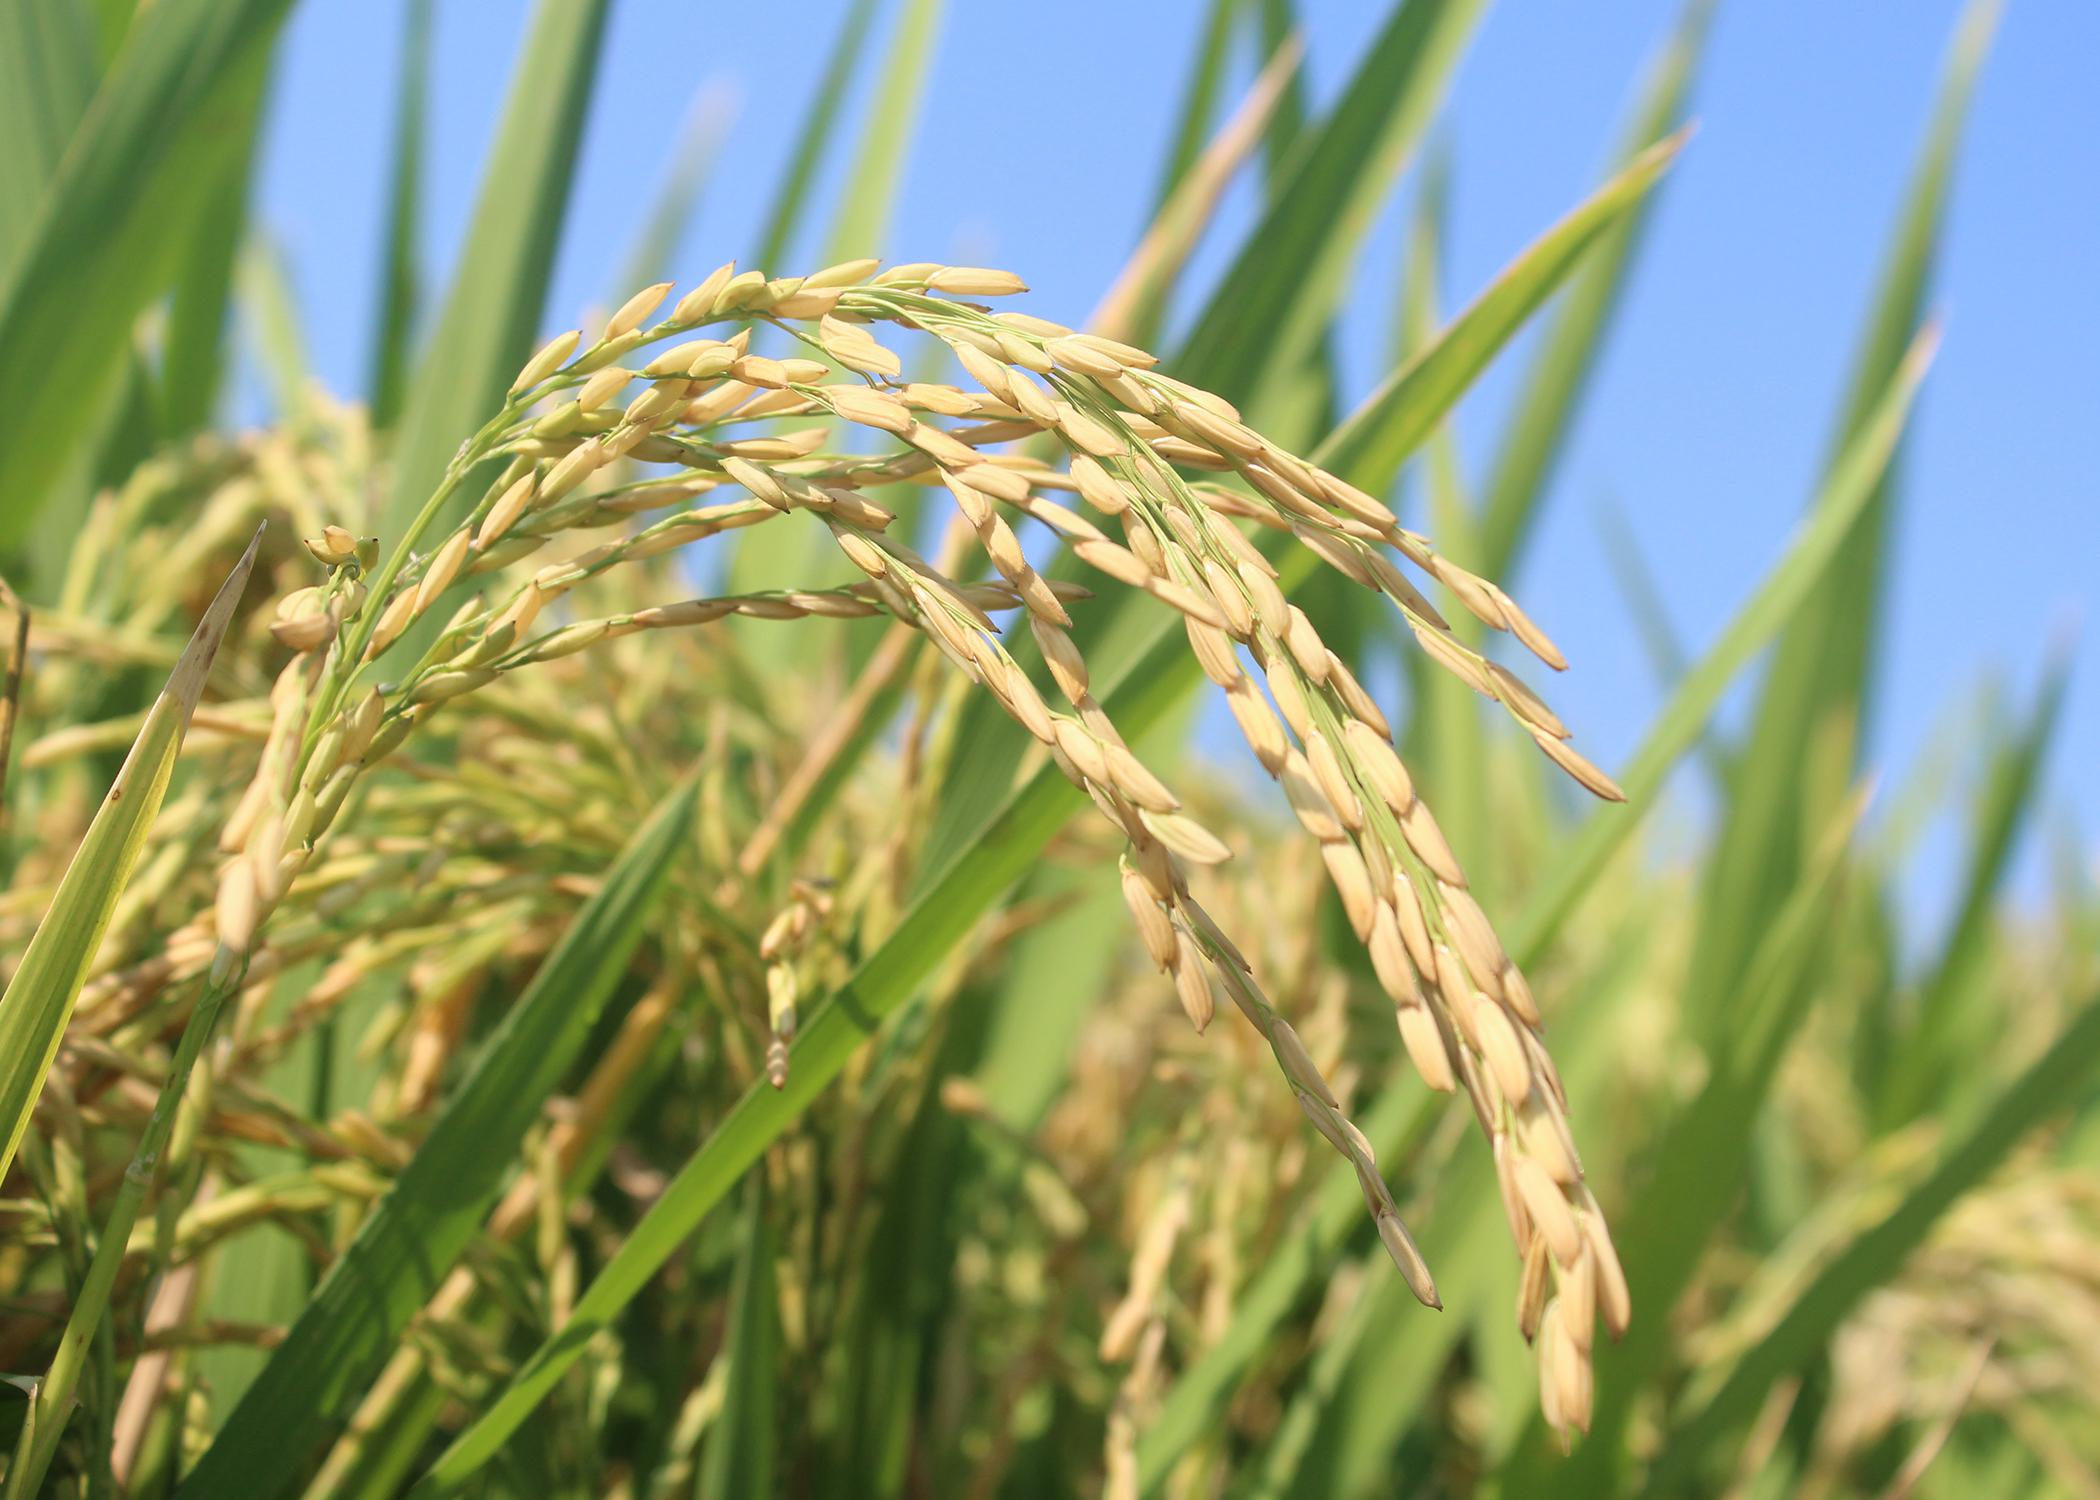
{"points": [[186, 682]]}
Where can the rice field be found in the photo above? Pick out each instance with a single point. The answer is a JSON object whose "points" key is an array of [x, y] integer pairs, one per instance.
{"points": [[835, 881]]}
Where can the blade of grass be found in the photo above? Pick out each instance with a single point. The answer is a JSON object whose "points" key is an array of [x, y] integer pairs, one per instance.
{"points": [[1853, 482], [863, 219], [415, 1234], [47, 75], [400, 279], [1280, 31], [1804, 732], [792, 199], [1560, 371], [1274, 303], [1429, 386], [112, 221], [1637, 585], [892, 1326], [1199, 101], [656, 248], [39, 1002], [1934, 1049], [1139, 687], [39, 998], [492, 313], [1134, 307], [270, 316], [738, 1460], [2057, 1080], [193, 356]]}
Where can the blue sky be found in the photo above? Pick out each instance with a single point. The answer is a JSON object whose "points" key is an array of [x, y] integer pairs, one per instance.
{"points": [[1039, 148]]}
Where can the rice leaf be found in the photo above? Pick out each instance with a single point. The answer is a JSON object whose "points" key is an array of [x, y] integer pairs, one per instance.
{"points": [[1281, 31], [656, 247], [1394, 422], [1935, 1051], [491, 316], [739, 1456], [1272, 306], [193, 359], [400, 291], [1573, 340], [791, 200], [270, 317], [107, 236], [1199, 99], [2057, 1080], [1803, 737], [1667, 658], [415, 1234], [48, 70], [862, 223], [39, 998], [1851, 486]]}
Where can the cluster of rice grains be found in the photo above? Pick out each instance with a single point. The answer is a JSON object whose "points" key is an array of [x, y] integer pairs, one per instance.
{"points": [[1134, 438]]}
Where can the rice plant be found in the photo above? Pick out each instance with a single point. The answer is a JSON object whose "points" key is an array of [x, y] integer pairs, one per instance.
{"points": [[556, 942]]}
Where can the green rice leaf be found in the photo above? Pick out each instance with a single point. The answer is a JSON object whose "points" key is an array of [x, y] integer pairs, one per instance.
{"points": [[270, 319], [1851, 486], [491, 316], [39, 999], [1199, 101], [1935, 1052], [400, 289], [1393, 423], [48, 69], [107, 236], [2057, 1080], [1278, 22], [656, 248], [193, 359], [739, 1456], [863, 220], [1573, 340], [792, 200], [416, 1233], [1802, 744], [1270, 311]]}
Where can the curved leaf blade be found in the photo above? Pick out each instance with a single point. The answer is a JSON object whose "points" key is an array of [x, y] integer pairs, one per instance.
{"points": [[416, 1233], [39, 999]]}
